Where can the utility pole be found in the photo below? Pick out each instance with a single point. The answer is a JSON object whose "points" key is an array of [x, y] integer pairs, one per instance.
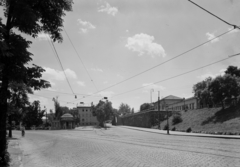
{"points": [[167, 121], [159, 110]]}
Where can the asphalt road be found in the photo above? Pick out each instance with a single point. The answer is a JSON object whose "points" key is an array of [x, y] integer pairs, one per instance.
{"points": [[121, 147]]}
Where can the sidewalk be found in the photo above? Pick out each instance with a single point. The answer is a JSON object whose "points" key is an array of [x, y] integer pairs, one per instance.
{"points": [[16, 154], [164, 132]]}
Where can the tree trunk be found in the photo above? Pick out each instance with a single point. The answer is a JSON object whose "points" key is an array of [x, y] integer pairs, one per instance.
{"points": [[10, 126], [3, 118]]}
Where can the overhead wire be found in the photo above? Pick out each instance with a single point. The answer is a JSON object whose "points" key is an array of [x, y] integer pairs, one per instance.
{"points": [[62, 67], [80, 59], [178, 75], [235, 26], [179, 55]]}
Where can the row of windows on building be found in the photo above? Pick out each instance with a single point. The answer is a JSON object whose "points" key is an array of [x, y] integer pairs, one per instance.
{"points": [[187, 106]]}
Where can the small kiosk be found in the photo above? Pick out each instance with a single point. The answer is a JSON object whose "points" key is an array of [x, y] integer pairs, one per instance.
{"points": [[67, 121]]}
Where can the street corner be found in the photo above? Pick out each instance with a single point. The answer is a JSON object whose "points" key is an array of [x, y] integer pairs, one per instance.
{"points": [[15, 153]]}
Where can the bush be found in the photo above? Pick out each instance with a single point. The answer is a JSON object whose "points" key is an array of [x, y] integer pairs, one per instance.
{"points": [[176, 119], [189, 130], [165, 127], [173, 129]]}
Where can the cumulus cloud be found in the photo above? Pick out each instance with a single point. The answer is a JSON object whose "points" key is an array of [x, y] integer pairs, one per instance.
{"points": [[97, 69], [43, 36], [81, 83], [107, 8], [211, 36], [58, 75], [143, 44], [106, 93], [205, 76], [149, 86], [85, 26]]}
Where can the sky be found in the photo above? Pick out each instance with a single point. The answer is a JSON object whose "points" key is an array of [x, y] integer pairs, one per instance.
{"points": [[114, 40]]}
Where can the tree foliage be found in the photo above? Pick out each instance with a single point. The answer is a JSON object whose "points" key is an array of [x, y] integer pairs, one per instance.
{"points": [[145, 106], [103, 111], [33, 115], [124, 109], [219, 90], [29, 17]]}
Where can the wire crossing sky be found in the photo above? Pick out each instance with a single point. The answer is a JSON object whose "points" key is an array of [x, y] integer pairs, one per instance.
{"points": [[126, 45]]}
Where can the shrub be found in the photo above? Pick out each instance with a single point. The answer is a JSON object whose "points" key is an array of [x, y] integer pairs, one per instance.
{"points": [[173, 129], [176, 119], [189, 130]]}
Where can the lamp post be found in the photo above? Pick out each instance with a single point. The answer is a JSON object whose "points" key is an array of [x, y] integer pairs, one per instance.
{"points": [[184, 107], [158, 109], [167, 120], [152, 90], [105, 98]]}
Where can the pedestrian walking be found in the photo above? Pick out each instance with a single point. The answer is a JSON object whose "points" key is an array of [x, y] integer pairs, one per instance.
{"points": [[23, 131]]}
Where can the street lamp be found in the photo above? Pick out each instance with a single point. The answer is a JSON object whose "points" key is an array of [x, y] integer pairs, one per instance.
{"points": [[158, 109], [167, 120]]}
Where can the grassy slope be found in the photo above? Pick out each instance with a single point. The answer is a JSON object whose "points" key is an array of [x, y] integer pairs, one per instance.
{"points": [[209, 120]]}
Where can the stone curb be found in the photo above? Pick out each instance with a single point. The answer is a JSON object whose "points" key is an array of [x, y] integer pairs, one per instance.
{"points": [[182, 133]]}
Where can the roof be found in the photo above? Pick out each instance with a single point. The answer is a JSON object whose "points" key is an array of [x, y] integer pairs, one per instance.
{"points": [[172, 97], [67, 115]]}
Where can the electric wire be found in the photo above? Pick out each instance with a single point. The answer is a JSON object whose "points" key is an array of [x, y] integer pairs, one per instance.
{"points": [[62, 67], [67, 93], [178, 75], [235, 26], [80, 59], [179, 55]]}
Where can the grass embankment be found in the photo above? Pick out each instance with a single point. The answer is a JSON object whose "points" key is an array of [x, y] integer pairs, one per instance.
{"points": [[209, 120]]}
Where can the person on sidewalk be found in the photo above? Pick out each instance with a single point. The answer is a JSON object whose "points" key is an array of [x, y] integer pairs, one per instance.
{"points": [[23, 131]]}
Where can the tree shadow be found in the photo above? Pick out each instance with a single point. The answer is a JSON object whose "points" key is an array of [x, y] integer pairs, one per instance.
{"points": [[12, 138], [224, 115]]}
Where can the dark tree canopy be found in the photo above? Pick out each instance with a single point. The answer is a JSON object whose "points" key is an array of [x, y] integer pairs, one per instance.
{"points": [[145, 106], [124, 109]]}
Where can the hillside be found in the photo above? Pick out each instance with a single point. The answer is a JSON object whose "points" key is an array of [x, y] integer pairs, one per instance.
{"points": [[209, 120]]}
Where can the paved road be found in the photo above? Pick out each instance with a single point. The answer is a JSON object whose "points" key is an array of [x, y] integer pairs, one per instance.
{"points": [[121, 147]]}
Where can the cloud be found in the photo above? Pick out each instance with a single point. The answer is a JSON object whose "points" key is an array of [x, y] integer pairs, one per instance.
{"points": [[152, 86], [97, 69], [81, 83], [106, 93], [127, 30], [211, 36], [107, 8], [85, 26], [58, 75], [143, 44], [233, 31], [43, 36], [205, 76]]}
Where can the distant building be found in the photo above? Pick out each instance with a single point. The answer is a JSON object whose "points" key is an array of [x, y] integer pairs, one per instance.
{"points": [[177, 104], [86, 117]]}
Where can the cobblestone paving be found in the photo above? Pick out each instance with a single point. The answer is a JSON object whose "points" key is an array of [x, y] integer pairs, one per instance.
{"points": [[120, 147]]}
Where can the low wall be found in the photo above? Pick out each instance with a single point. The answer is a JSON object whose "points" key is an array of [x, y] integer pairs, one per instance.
{"points": [[144, 119]]}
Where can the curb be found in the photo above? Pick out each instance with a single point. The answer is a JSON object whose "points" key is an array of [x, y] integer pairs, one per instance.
{"points": [[16, 154], [185, 134]]}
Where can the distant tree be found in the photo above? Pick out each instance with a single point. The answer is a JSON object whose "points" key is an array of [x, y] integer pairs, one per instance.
{"points": [[224, 87], [132, 111], [58, 109], [103, 111], [234, 71], [17, 103], [201, 91], [124, 109], [65, 109], [33, 115], [145, 106]]}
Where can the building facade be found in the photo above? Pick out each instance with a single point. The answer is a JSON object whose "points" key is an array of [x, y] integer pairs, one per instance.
{"points": [[175, 103], [86, 117]]}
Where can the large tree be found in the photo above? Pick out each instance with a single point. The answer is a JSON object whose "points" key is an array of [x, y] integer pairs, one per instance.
{"points": [[145, 106], [29, 17], [234, 71]]}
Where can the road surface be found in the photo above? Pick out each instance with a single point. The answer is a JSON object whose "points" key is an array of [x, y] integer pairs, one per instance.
{"points": [[121, 147]]}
